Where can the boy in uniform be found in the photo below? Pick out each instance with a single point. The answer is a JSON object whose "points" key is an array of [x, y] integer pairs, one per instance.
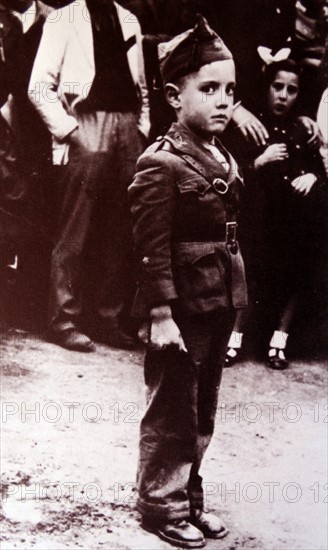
{"points": [[184, 202]]}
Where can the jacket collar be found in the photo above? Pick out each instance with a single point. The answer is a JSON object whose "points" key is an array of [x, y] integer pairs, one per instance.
{"points": [[198, 157], [83, 28]]}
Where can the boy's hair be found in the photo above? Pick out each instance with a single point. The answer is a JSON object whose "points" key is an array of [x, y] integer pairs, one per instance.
{"points": [[180, 81]]}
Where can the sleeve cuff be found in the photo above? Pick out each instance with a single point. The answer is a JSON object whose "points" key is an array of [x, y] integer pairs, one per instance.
{"points": [[161, 293], [67, 128]]}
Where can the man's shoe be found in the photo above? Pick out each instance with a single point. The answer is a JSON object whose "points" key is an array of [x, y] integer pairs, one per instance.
{"points": [[72, 340], [210, 525], [177, 532], [276, 359]]}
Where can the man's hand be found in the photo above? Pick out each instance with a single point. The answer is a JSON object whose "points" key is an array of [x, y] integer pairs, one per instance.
{"points": [[250, 126], [313, 131], [274, 153], [163, 331], [303, 184]]}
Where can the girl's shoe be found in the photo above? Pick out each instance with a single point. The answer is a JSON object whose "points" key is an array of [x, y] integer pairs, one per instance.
{"points": [[276, 359], [231, 357]]}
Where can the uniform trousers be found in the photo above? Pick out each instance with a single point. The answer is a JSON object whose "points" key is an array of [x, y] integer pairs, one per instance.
{"points": [[182, 395], [94, 223]]}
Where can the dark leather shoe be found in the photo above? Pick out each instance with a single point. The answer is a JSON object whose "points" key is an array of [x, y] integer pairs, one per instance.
{"points": [[210, 525], [277, 361], [231, 359], [178, 532], [73, 340]]}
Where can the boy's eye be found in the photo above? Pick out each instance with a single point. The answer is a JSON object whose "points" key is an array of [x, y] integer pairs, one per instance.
{"points": [[209, 88]]}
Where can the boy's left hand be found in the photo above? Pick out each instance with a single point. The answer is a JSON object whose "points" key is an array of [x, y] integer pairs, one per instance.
{"points": [[303, 184]]}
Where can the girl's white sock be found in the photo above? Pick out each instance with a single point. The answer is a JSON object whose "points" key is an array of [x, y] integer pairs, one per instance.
{"points": [[236, 339], [279, 339]]}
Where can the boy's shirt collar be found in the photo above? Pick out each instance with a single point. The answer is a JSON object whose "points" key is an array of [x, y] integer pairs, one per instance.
{"points": [[217, 154]]}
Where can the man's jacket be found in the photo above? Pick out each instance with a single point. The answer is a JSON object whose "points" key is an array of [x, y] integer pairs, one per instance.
{"points": [[181, 201], [10, 53], [64, 70]]}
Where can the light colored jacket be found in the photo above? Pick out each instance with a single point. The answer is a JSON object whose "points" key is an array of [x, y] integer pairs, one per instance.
{"points": [[64, 70]]}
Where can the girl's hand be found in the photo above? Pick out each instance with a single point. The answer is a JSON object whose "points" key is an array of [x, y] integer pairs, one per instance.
{"points": [[274, 153], [303, 184]]}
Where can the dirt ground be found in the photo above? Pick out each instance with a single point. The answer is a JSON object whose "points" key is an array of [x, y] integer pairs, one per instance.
{"points": [[69, 436]]}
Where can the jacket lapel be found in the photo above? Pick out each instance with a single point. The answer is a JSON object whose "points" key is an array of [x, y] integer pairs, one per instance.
{"points": [[198, 157], [234, 172], [83, 29]]}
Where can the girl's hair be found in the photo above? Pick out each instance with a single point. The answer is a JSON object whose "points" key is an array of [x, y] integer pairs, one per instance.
{"points": [[269, 74], [288, 65]]}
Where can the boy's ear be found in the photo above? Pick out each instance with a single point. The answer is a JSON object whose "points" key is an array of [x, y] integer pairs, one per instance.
{"points": [[172, 94]]}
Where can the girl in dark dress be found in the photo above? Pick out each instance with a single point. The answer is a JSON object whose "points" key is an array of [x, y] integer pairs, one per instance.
{"points": [[287, 176]]}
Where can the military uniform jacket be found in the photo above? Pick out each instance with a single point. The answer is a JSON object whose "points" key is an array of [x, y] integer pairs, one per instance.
{"points": [[181, 200]]}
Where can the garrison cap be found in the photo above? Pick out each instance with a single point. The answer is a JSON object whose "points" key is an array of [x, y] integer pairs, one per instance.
{"points": [[189, 51]]}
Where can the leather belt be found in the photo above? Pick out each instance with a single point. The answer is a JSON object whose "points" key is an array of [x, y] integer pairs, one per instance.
{"points": [[224, 233]]}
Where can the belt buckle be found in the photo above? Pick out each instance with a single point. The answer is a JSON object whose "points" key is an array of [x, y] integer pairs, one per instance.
{"points": [[231, 236], [220, 186]]}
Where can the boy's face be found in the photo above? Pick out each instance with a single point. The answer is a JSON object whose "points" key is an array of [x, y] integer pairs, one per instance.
{"points": [[283, 93], [204, 100]]}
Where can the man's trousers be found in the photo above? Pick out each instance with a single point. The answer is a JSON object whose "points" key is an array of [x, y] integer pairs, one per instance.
{"points": [[179, 421], [94, 222]]}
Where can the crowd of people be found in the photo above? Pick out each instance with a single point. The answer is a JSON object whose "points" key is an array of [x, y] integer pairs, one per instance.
{"points": [[82, 96]]}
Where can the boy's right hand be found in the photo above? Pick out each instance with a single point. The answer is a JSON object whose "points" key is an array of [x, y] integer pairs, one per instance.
{"points": [[164, 331], [274, 153]]}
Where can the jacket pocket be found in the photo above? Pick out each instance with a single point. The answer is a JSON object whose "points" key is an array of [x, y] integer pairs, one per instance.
{"points": [[200, 278]]}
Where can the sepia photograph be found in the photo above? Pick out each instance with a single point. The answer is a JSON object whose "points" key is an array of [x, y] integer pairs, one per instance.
{"points": [[164, 274]]}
